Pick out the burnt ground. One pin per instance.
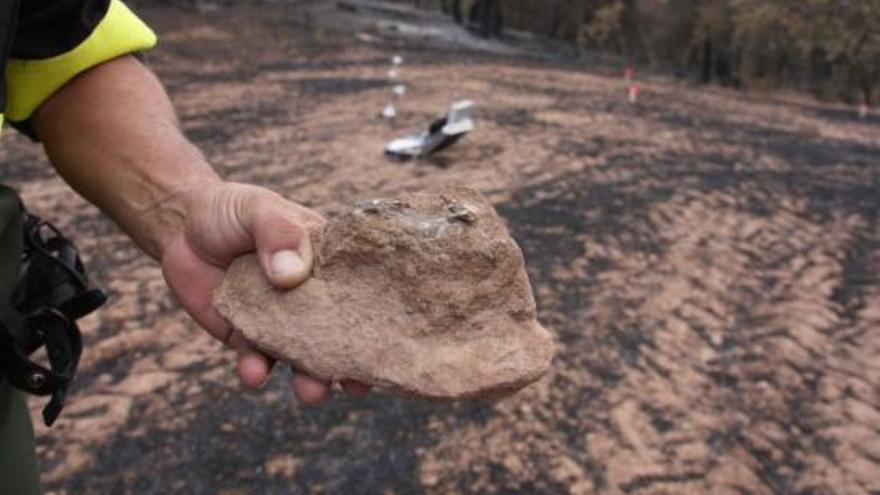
(708, 261)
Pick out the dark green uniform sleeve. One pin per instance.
(19, 470)
(19, 474)
(47, 28)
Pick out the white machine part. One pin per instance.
(441, 134)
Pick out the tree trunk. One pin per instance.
(632, 32)
(706, 63)
(486, 16)
(456, 11)
(868, 93)
(494, 17)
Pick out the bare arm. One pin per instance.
(113, 135)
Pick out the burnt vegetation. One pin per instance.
(828, 47)
(707, 260)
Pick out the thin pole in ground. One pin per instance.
(634, 91)
(398, 89)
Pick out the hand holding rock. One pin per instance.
(425, 295)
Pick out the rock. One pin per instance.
(425, 295)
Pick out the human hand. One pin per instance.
(221, 221)
(158, 187)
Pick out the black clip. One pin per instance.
(50, 328)
(52, 294)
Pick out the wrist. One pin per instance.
(164, 220)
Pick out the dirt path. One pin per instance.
(707, 259)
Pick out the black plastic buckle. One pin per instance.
(54, 293)
(61, 337)
(55, 276)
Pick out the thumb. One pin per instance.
(287, 268)
(282, 240)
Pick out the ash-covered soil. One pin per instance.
(708, 261)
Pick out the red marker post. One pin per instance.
(634, 92)
(864, 110)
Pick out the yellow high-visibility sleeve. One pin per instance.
(31, 82)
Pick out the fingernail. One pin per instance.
(287, 264)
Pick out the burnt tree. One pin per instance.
(486, 17)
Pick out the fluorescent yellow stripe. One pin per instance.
(31, 82)
(1, 124)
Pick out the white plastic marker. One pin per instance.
(398, 90)
(864, 110)
(396, 63)
(634, 91)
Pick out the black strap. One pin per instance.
(54, 275)
(51, 294)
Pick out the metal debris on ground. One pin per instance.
(441, 134)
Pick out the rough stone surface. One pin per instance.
(426, 294)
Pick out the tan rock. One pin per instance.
(425, 295)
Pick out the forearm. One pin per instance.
(113, 136)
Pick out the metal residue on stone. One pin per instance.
(426, 294)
